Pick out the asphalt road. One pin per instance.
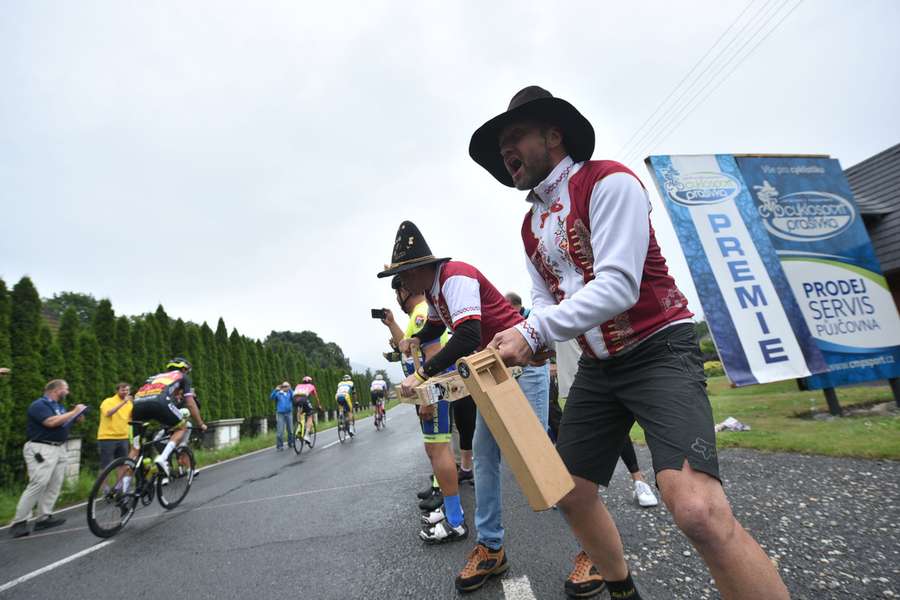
(341, 522)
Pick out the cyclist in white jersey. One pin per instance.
(378, 390)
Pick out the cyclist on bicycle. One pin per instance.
(302, 393)
(377, 391)
(344, 398)
(156, 400)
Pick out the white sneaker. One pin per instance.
(643, 495)
(444, 532)
(308, 440)
(434, 517)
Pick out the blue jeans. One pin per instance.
(282, 421)
(535, 383)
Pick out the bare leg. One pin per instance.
(740, 567)
(465, 459)
(595, 529)
(444, 467)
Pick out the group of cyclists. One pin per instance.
(344, 394)
(169, 399)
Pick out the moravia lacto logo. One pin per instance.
(692, 189)
(803, 216)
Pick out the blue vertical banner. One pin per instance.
(759, 330)
(812, 221)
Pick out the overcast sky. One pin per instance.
(253, 160)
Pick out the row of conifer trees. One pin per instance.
(233, 374)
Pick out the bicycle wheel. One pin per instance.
(108, 508)
(181, 469)
(312, 435)
(298, 435)
(342, 432)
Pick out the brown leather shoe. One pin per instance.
(584, 580)
(482, 564)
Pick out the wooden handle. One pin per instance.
(486, 367)
(414, 349)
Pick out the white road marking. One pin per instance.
(518, 588)
(86, 551)
(51, 566)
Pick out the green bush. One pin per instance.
(707, 346)
(713, 368)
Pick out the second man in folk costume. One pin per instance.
(461, 299)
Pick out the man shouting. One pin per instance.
(598, 275)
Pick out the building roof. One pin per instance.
(876, 187)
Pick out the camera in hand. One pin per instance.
(378, 313)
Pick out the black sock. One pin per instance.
(623, 590)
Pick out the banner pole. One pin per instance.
(831, 398)
(895, 388)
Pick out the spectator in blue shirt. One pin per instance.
(284, 404)
(45, 456)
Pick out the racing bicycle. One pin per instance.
(301, 432)
(110, 505)
(344, 424)
(379, 417)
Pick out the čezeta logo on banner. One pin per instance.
(803, 216)
(692, 189)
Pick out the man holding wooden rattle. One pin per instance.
(598, 275)
(461, 299)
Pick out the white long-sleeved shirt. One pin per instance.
(619, 235)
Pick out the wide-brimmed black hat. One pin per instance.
(532, 103)
(410, 251)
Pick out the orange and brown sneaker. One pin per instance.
(482, 564)
(584, 580)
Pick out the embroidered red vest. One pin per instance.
(660, 301)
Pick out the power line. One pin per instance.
(673, 126)
(759, 21)
(666, 117)
(683, 79)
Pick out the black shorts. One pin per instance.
(110, 450)
(304, 406)
(162, 410)
(661, 384)
(377, 396)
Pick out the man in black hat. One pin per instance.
(599, 276)
(461, 299)
(435, 419)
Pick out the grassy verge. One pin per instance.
(79, 490)
(776, 413)
(71, 494)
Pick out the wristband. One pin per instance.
(420, 377)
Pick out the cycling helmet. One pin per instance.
(178, 363)
(346, 378)
(379, 377)
(307, 379)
